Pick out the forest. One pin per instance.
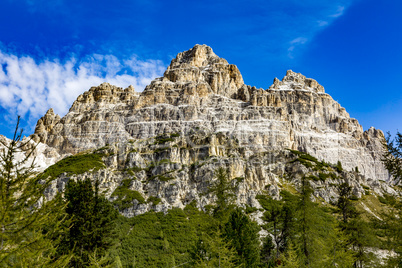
(81, 228)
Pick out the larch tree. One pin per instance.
(392, 160)
(30, 226)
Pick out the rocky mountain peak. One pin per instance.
(200, 116)
(205, 70)
(200, 91)
(198, 56)
(297, 81)
(45, 125)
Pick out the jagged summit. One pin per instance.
(297, 81)
(169, 139)
(198, 56)
(204, 70)
(202, 93)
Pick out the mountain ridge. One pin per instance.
(195, 86)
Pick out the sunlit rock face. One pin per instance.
(202, 93)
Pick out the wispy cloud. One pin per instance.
(294, 43)
(29, 87)
(322, 23)
(339, 12)
(312, 24)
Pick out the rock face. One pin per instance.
(200, 92)
(168, 140)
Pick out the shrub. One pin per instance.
(125, 196)
(154, 200)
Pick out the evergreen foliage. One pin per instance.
(242, 233)
(358, 233)
(212, 251)
(279, 217)
(125, 196)
(392, 159)
(159, 240)
(268, 252)
(92, 222)
(224, 192)
(27, 224)
(345, 205)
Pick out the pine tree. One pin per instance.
(339, 254)
(268, 252)
(392, 159)
(92, 222)
(242, 233)
(346, 208)
(28, 223)
(315, 230)
(212, 251)
(290, 259)
(224, 192)
(357, 231)
(279, 218)
(273, 219)
(360, 237)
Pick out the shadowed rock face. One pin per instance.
(200, 92)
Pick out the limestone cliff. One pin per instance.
(200, 92)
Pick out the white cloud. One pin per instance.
(294, 43)
(322, 23)
(339, 12)
(29, 87)
(309, 24)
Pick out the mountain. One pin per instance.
(166, 142)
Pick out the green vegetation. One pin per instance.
(161, 139)
(75, 164)
(242, 234)
(392, 226)
(28, 233)
(162, 178)
(387, 199)
(224, 192)
(133, 170)
(161, 240)
(86, 231)
(310, 161)
(154, 200)
(90, 223)
(125, 196)
(212, 251)
(174, 135)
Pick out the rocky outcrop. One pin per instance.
(178, 170)
(202, 93)
(29, 153)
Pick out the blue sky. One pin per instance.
(52, 51)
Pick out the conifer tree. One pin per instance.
(273, 218)
(242, 233)
(279, 218)
(315, 229)
(224, 192)
(28, 223)
(346, 208)
(268, 252)
(92, 222)
(357, 231)
(212, 251)
(392, 159)
(289, 259)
